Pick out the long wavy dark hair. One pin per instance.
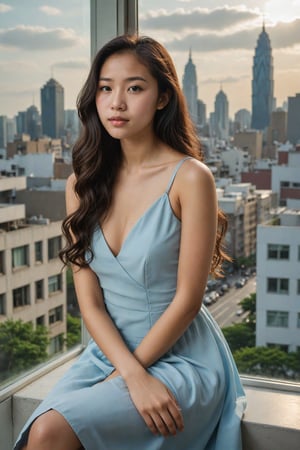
(97, 156)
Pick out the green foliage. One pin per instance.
(249, 303)
(266, 361)
(239, 335)
(73, 330)
(21, 346)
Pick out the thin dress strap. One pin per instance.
(175, 172)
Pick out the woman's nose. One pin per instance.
(118, 103)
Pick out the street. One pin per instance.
(225, 309)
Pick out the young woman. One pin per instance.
(143, 232)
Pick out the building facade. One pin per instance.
(221, 116)
(32, 285)
(278, 283)
(293, 120)
(52, 104)
(190, 88)
(262, 83)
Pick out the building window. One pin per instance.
(2, 304)
(283, 347)
(298, 287)
(40, 321)
(38, 251)
(277, 251)
(54, 284)
(55, 315)
(54, 246)
(20, 256)
(21, 296)
(2, 263)
(277, 319)
(56, 344)
(39, 290)
(278, 285)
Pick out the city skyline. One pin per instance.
(39, 41)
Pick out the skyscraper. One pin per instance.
(293, 120)
(221, 116)
(190, 88)
(52, 102)
(262, 83)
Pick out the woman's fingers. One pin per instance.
(165, 420)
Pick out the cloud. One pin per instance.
(226, 80)
(71, 64)
(38, 38)
(49, 10)
(197, 18)
(4, 8)
(283, 35)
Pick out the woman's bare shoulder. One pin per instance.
(193, 175)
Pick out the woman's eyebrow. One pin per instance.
(134, 78)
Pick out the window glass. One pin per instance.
(54, 283)
(276, 251)
(38, 249)
(54, 246)
(277, 319)
(21, 296)
(45, 57)
(20, 256)
(278, 285)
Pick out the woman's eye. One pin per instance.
(135, 89)
(104, 88)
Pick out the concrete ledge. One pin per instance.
(271, 421)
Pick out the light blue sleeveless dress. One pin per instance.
(138, 284)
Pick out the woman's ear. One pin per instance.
(163, 100)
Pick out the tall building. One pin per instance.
(33, 122)
(242, 119)
(3, 131)
(52, 102)
(293, 121)
(262, 83)
(221, 116)
(190, 88)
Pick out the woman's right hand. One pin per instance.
(156, 404)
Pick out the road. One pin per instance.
(224, 310)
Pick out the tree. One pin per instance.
(21, 346)
(268, 362)
(73, 330)
(239, 335)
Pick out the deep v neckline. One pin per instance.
(132, 229)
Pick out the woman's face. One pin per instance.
(127, 97)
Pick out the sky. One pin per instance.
(44, 38)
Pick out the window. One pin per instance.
(56, 344)
(2, 304)
(278, 285)
(298, 287)
(20, 256)
(277, 251)
(277, 319)
(38, 251)
(2, 262)
(39, 290)
(55, 315)
(298, 321)
(40, 320)
(284, 348)
(54, 284)
(21, 296)
(54, 246)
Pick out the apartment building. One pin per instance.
(32, 285)
(278, 283)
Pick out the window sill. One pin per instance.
(271, 421)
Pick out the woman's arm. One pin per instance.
(196, 193)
